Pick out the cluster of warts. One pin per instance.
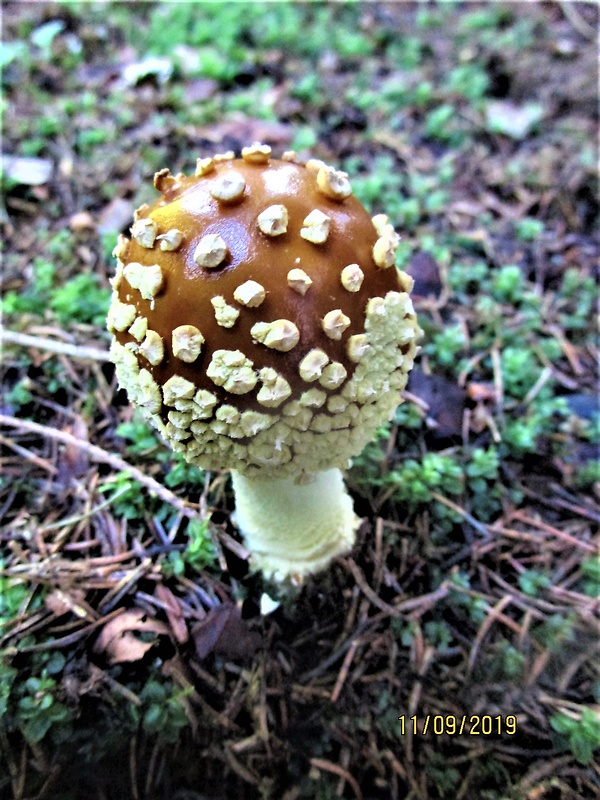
(232, 370)
(213, 434)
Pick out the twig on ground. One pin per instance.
(64, 641)
(546, 528)
(483, 530)
(52, 346)
(343, 673)
(29, 456)
(328, 766)
(189, 510)
(400, 609)
(580, 24)
(485, 626)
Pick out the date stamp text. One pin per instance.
(463, 725)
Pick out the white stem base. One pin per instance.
(294, 529)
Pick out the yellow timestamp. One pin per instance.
(465, 724)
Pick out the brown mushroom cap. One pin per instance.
(178, 305)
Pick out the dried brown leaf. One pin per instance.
(445, 401)
(115, 216)
(117, 638)
(174, 613)
(60, 602)
(481, 392)
(425, 272)
(224, 632)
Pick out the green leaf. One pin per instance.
(152, 718)
(56, 663)
(36, 729)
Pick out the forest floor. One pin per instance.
(455, 652)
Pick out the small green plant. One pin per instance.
(162, 713)
(529, 229)
(404, 631)
(438, 633)
(88, 139)
(39, 711)
(483, 467)
(461, 597)
(181, 474)
(257, 100)
(414, 481)
(307, 86)
(408, 213)
(483, 484)
(36, 708)
(468, 278)
(445, 776)
(13, 594)
(446, 345)
(587, 476)
(34, 299)
(520, 370)
(590, 569)
(20, 394)
(580, 733)
(30, 699)
(351, 44)
(381, 184)
(468, 80)
(48, 125)
(141, 438)
(442, 124)
(198, 553)
(129, 500)
(78, 299)
(576, 298)
(521, 434)
(304, 138)
(555, 631)
(81, 299)
(430, 17)
(490, 17)
(509, 662)
(405, 51)
(532, 582)
(508, 284)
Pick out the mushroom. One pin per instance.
(260, 324)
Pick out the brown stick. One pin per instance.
(189, 510)
(400, 609)
(52, 346)
(329, 766)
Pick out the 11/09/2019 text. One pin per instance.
(465, 724)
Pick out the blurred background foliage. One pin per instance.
(474, 127)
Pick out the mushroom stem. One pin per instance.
(294, 529)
